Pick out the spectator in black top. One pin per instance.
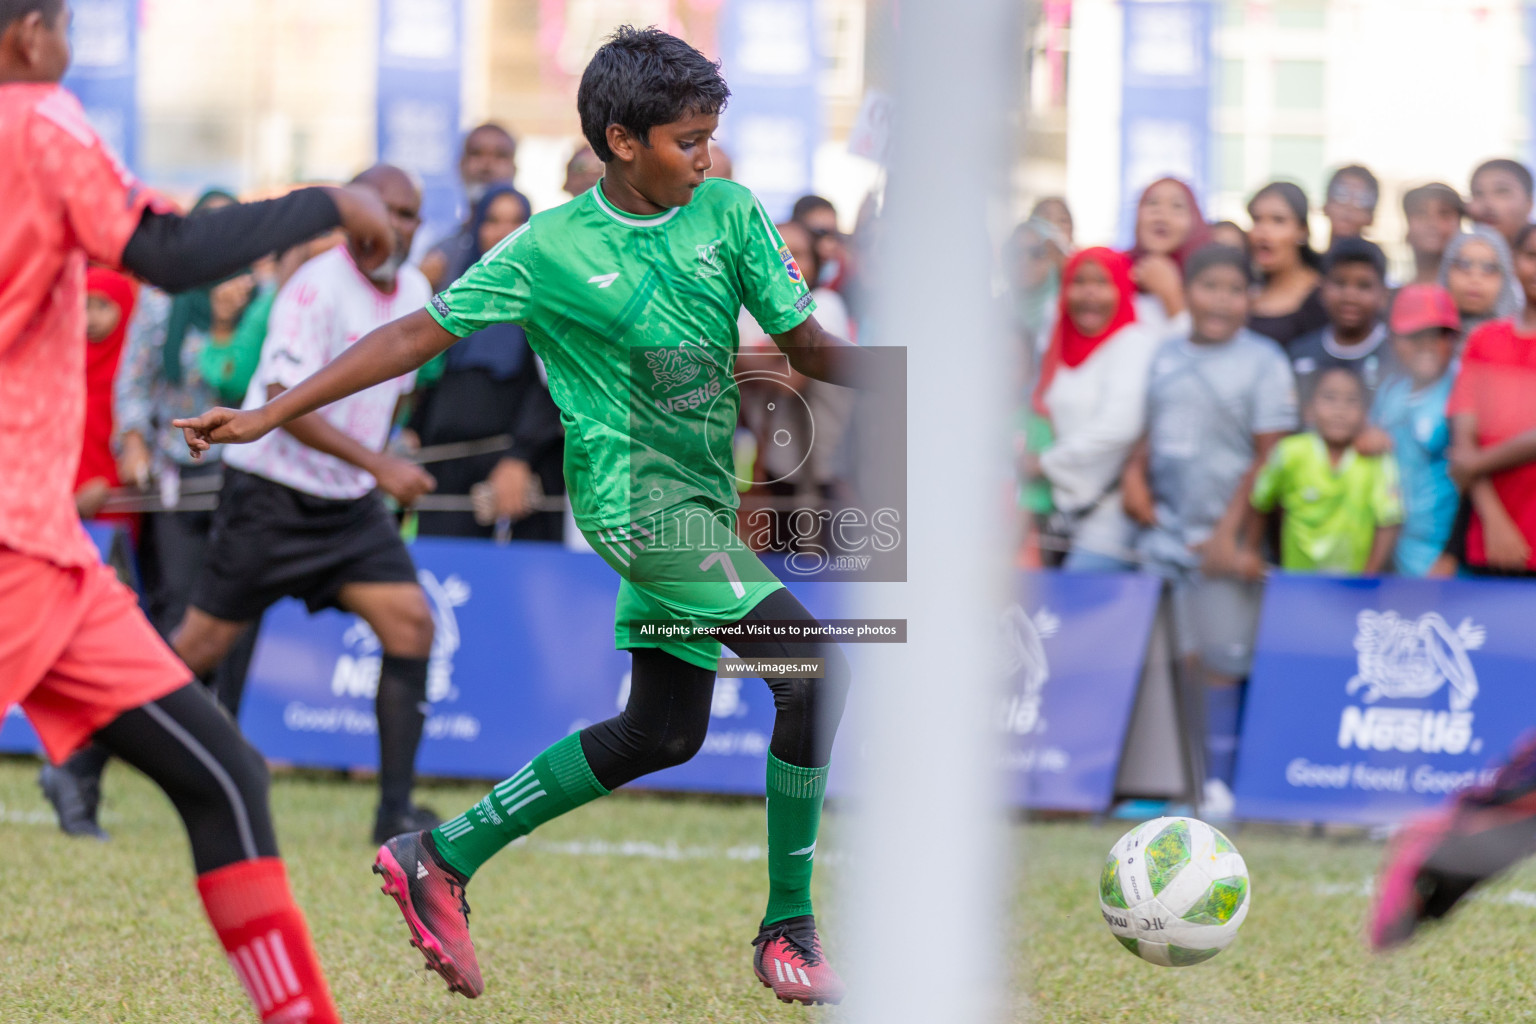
(1350, 205)
(1354, 293)
(1434, 214)
(492, 385)
(489, 158)
(1501, 197)
(1288, 303)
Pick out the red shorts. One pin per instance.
(75, 651)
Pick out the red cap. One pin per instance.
(1421, 307)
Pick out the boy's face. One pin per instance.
(1353, 296)
(1338, 407)
(1474, 278)
(1218, 303)
(1351, 206)
(1425, 354)
(675, 162)
(1499, 200)
(1431, 226)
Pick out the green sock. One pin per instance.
(794, 815)
(556, 781)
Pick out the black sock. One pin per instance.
(401, 709)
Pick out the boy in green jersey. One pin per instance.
(630, 293)
(1342, 511)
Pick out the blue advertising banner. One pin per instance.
(1373, 699)
(421, 45)
(1165, 123)
(1074, 644)
(523, 655)
(772, 126)
(104, 38)
(16, 735)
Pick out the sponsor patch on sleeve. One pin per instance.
(439, 304)
(804, 301)
(790, 266)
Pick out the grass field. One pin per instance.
(641, 909)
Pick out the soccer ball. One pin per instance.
(1174, 891)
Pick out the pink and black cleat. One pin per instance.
(788, 959)
(432, 900)
(1436, 860)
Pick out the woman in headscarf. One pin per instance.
(1032, 259)
(109, 301)
(1169, 228)
(1289, 302)
(492, 384)
(174, 344)
(1480, 275)
(1092, 388)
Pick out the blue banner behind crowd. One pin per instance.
(1371, 699)
(771, 128)
(1165, 124)
(421, 46)
(103, 72)
(1074, 647)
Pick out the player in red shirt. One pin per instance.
(75, 652)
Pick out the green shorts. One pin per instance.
(683, 569)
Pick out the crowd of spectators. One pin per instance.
(1221, 402)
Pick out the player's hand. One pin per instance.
(366, 221)
(221, 426)
(404, 481)
(135, 462)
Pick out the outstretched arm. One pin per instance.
(815, 352)
(398, 347)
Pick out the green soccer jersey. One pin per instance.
(1332, 512)
(635, 319)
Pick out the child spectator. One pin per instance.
(1493, 433)
(1288, 303)
(1355, 296)
(1501, 197)
(1411, 409)
(1218, 401)
(1434, 214)
(1169, 229)
(1342, 510)
(1480, 275)
(1351, 204)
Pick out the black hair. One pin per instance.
(1296, 199)
(1520, 172)
(1361, 172)
(1521, 237)
(1348, 371)
(1046, 201)
(809, 204)
(1217, 255)
(1416, 199)
(641, 78)
(1356, 250)
(15, 10)
(490, 126)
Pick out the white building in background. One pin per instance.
(1417, 90)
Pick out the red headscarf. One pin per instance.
(1199, 230)
(1070, 346)
(101, 358)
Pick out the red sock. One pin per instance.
(267, 942)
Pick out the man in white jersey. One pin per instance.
(300, 513)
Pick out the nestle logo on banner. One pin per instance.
(1411, 659)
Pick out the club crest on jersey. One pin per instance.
(709, 260)
(790, 266)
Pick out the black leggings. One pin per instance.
(667, 715)
(189, 747)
